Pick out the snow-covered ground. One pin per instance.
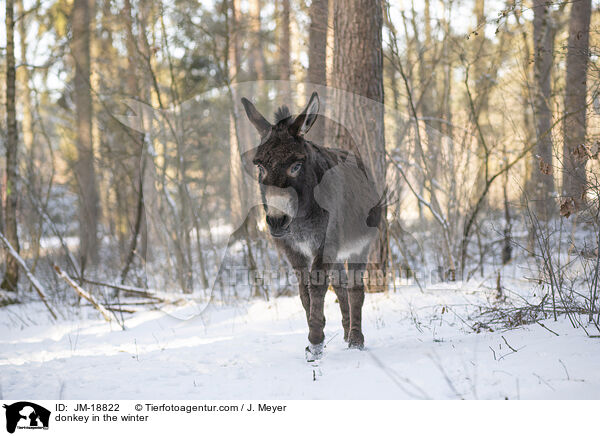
(418, 345)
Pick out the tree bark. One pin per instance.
(27, 123)
(11, 275)
(481, 94)
(428, 83)
(138, 143)
(84, 167)
(284, 44)
(257, 57)
(236, 189)
(358, 70)
(574, 155)
(317, 42)
(317, 56)
(543, 45)
(284, 51)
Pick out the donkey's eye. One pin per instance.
(295, 169)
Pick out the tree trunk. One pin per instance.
(358, 70)
(236, 189)
(317, 57)
(257, 57)
(27, 123)
(11, 275)
(542, 180)
(138, 143)
(284, 44)
(574, 155)
(84, 167)
(481, 95)
(34, 222)
(427, 81)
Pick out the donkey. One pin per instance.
(322, 210)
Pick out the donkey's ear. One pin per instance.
(307, 118)
(261, 124)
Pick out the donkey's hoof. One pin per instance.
(356, 340)
(356, 345)
(314, 352)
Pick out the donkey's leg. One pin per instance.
(356, 298)
(316, 320)
(303, 287)
(339, 282)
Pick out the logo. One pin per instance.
(26, 415)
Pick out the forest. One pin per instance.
(128, 190)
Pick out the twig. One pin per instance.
(551, 331)
(105, 313)
(543, 381)
(36, 284)
(331, 339)
(507, 344)
(565, 368)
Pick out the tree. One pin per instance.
(317, 56)
(236, 188)
(358, 70)
(257, 57)
(427, 81)
(84, 167)
(284, 44)
(481, 91)
(574, 154)
(317, 42)
(11, 275)
(284, 48)
(542, 182)
(138, 140)
(27, 124)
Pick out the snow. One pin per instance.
(418, 345)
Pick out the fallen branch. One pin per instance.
(105, 313)
(127, 289)
(117, 309)
(36, 284)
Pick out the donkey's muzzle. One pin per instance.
(278, 224)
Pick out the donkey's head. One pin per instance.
(286, 172)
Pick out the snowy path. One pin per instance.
(256, 352)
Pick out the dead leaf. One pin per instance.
(567, 207)
(580, 152)
(545, 167)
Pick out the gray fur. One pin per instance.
(335, 221)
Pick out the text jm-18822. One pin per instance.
(96, 407)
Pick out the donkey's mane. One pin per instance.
(283, 115)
